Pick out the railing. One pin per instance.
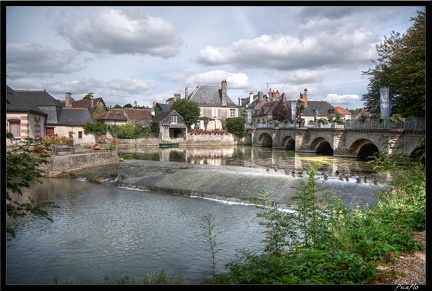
(416, 124)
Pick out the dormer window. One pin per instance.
(174, 119)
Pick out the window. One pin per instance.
(232, 113)
(79, 134)
(15, 128)
(174, 119)
(214, 112)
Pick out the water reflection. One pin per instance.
(247, 156)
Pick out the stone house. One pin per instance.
(258, 108)
(172, 125)
(36, 114)
(214, 103)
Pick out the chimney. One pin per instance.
(283, 98)
(250, 97)
(68, 100)
(224, 92)
(304, 96)
(135, 104)
(176, 96)
(186, 92)
(260, 95)
(91, 103)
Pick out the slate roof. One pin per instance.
(164, 107)
(42, 102)
(163, 118)
(18, 104)
(76, 117)
(325, 109)
(209, 96)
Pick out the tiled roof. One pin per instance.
(136, 114)
(209, 96)
(342, 110)
(87, 103)
(112, 114)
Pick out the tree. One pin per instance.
(401, 66)
(96, 128)
(281, 112)
(89, 95)
(23, 165)
(236, 125)
(189, 110)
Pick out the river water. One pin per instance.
(101, 229)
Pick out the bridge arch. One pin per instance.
(288, 143)
(265, 140)
(248, 139)
(322, 146)
(363, 149)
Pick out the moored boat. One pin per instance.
(169, 145)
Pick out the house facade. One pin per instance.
(214, 103)
(36, 114)
(171, 124)
(258, 109)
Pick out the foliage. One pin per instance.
(56, 140)
(24, 165)
(111, 145)
(89, 95)
(397, 118)
(128, 130)
(155, 128)
(401, 66)
(323, 121)
(300, 105)
(323, 242)
(113, 129)
(189, 110)
(236, 126)
(208, 227)
(96, 128)
(161, 278)
(281, 112)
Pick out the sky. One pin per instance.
(146, 54)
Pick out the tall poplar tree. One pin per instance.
(401, 67)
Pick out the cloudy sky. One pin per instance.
(147, 53)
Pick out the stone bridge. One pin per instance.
(339, 142)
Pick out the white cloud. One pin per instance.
(118, 32)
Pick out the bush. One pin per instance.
(236, 126)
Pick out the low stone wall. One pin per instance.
(191, 139)
(61, 164)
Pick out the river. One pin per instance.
(117, 230)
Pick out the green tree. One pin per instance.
(24, 164)
(401, 66)
(155, 128)
(89, 95)
(236, 126)
(189, 110)
(96, 128)
(281, 112)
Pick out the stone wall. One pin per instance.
(62, 164)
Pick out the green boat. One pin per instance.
(169, 145)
